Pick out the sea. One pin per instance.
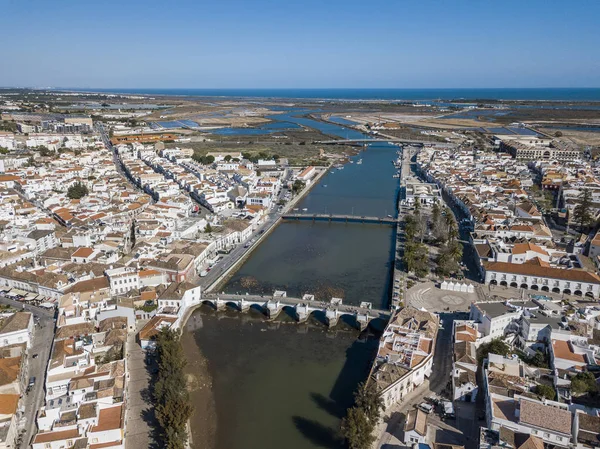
(456, 94)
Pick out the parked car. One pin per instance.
(424, 406)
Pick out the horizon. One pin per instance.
(239, 45)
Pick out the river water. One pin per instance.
(284, 384)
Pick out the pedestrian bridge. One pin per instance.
(342, 218)
(302, 308)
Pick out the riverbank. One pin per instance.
(271, 382)
(227, 274)
(199, 381)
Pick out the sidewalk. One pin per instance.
(139, 411)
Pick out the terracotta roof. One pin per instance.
(545, 272)
(109, 419)
(46, 437)
(545, 416)
(522, 248)
(9, 369)
(83, 252)
(91, 285)
(562, 350)
(16, 322)
(417, 421)
(8, 404)
(151, 328)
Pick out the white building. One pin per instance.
(16, 329)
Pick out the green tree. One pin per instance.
(545, 391)
(582, 214)
(172, 402)
(77, 191)
(4, 150)
(298, 185)
(357, 429)
(496, 346)
(208, 229)
(227, 158)
(584, 382)
(370, 401)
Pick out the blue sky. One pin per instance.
(309, 43)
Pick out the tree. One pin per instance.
(227, 158)
(77, 191)
(370, 401)
(545, 391)
(582, 214)
(298, 185)
(584, 383)
(208, 229)
(496, 346)
(4, 150)
(558, 134)
(173, 407)
(357, 429)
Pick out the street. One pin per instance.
(43, 336)
(459, 430)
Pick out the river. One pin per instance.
(284, 384)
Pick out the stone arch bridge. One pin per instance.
(302, 308)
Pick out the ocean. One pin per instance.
(540, 94)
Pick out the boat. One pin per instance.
(324, 185)
(397, 175)
(305, 209)
(358, 162)
(341, 167)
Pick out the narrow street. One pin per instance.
(391, 431)
(43, 336)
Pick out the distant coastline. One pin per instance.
(591, 94)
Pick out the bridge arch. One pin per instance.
(545, 288)
(320, 316)
(259, 308)
(233, 305)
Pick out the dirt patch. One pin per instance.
(204, 420)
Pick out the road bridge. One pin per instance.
(302, 308)
(338, 217)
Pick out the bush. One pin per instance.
(545, 391)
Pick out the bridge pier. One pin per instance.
(302, 313)
(332, 317)
(273, 309)
(362, 320)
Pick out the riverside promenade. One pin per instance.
(238, 255)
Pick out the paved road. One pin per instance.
(43, 336)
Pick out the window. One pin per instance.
(546, 435)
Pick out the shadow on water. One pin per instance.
(317, 433)
(329, 405)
